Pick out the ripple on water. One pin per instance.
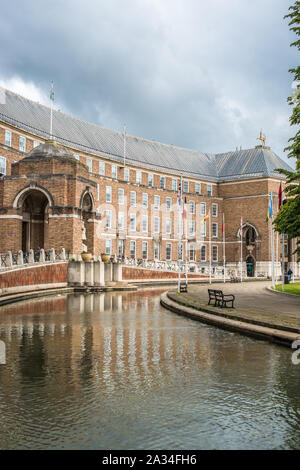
(118, 371)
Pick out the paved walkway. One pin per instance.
(253, 302)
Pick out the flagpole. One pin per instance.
(180, 229)
(293, 258)
(51, 110)
(209, 219)
(124, 145)
(186, 245)
(282, 262)
(241, 249)
(224, 259)
(277, 255)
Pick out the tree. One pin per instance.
(288, 218)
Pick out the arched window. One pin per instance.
(250, 236)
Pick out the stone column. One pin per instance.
(117, 272)
(63, 254)
(107, 272)
(42, 256)
(76, 273)
(99, 273)
(89, 273)
(31, 256)
(10, 260)
(52, 255)
(20, 257)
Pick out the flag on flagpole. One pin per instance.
(271, 206)
(280, 196)
(52, 92)
(270, 209)
(179, 195)
(204, 218)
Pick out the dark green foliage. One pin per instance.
(288, 218)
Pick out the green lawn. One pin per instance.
(289, 288)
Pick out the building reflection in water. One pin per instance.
(91, 356)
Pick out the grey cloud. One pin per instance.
(204, 75)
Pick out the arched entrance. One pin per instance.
(34, 204)
(87, 207)
(250, 266)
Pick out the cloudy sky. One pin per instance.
(207, 75)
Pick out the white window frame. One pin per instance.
(36, 143)
(169, 246)
(156, 224)
(192, 249)
(162, 182)
(89, 162)
(150, 180)
(121, 220)
(174, 184)
(22, 147)
(203, 208)
(108, 218)
(98, 191)
(102, 168)
(108, 194)
(132, 222)
(108, 246)
(168, 203)
(192, 227)
(138, 177)
(214, 206)
(168, 226)
(186, 186)
(209, 190)
(114, 172)
(156, 249)
(145, 223)
(145, 200)
(215, 258)
(8, 138)
(156, 198)
(145, 244)
(133, 198)
(127, 174)
(132, 244)
(121, 196)
(192, 207)
(3, 165)
(198, 185)
(214, 225)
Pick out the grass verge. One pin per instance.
(289, 288)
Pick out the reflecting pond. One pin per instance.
(118, 371)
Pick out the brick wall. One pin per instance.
(131, 273)
(46, 274)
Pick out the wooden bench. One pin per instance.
(183, 287)
(220, 299)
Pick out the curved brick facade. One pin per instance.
(117, 217)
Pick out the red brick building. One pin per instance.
(77, 191)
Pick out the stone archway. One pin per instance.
(34, 205)
(250, 263)
(87, 207)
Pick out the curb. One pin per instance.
(281, 293)
(274, 335)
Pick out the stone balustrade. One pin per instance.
(24, 258)
(93, 273)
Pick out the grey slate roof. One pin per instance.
(108, 143)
